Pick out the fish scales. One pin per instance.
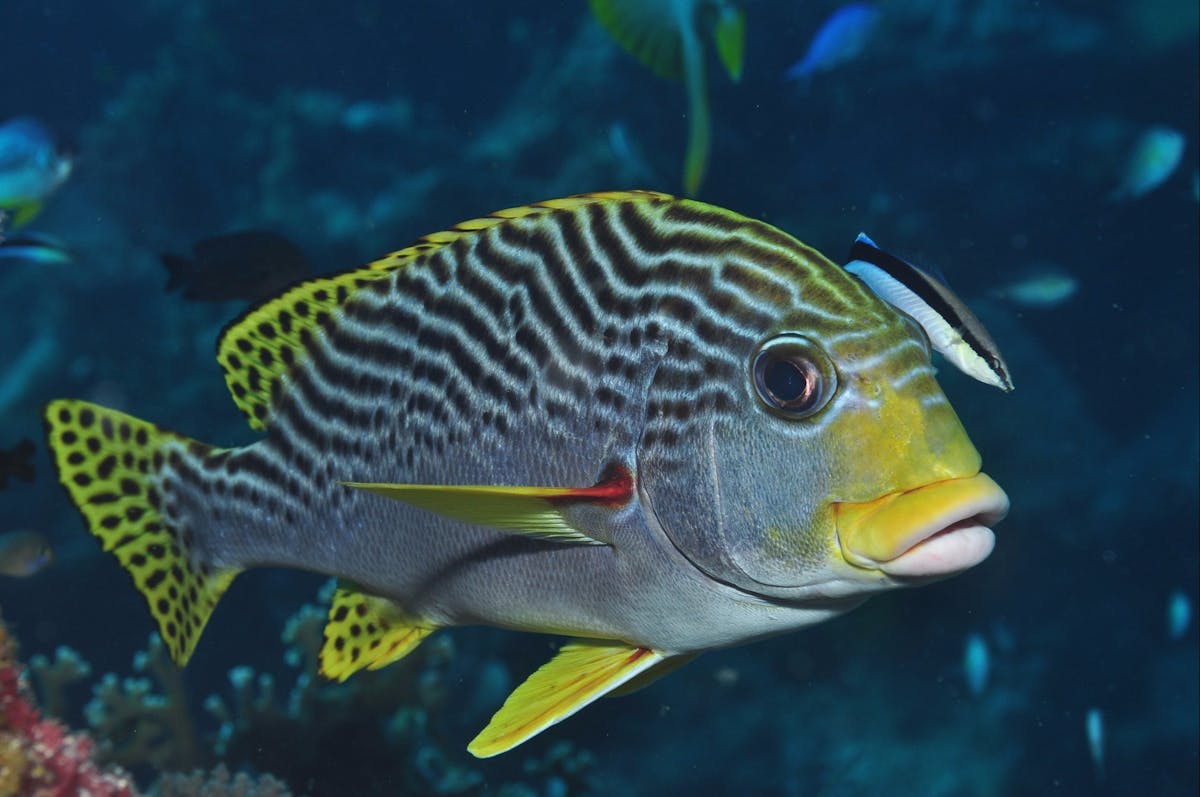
(619, 417)
(424, 332)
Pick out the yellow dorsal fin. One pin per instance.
(583, 671)
(650, 32)
(366, 631)
(260, 348)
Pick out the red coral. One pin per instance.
(48, 759)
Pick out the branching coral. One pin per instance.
(140, 725)
(379, 731)
(219, 783)
(53, 678)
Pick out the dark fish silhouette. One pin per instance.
(240, 265)
(17, 463)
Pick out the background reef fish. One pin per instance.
(32, 167)
(24, 553)
(1044, 285)
(1155, 156)
(32, 247)
(842, 37)
(17, 463)
(665, 36)
(652, 425)
(250, 264)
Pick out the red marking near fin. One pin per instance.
(614, 488)
(638, 654)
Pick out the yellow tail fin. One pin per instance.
(115, 468)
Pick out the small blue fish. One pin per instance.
(1179, 615)
(1043, 285)
(1155, 156)
(976, 663)
(31, 168)
(842, 37)
(31, 247)
(1093, 728)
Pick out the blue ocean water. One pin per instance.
(986, 139)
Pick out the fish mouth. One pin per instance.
(935, 530)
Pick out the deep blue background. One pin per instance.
(980, 137)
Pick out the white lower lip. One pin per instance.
(947, 552)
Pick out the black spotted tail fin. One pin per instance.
(122, 474)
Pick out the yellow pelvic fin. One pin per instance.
(366, 631)
(259, 349)
(582, 672)
(532, 511)
(110, 464)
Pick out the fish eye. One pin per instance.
(793, 377)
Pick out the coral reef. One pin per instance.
(384, 728)
(41, 757)
(143, 726)
(219, 783)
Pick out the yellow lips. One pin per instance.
(893, 533)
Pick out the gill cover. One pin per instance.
(754, 506)
(743, 509)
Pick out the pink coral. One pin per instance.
(40, 757)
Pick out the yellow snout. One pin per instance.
(934, 530)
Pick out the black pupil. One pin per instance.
(785, 380)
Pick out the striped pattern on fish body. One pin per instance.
(466, 365)
(584, 411)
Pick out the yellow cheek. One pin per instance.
(889, 441)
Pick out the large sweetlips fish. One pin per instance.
(649, 424)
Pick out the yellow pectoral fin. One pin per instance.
(533, 511)
(366, 631)
(583, 671)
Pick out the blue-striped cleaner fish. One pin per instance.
(667, 37)
(953, 330)
(648, 424)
